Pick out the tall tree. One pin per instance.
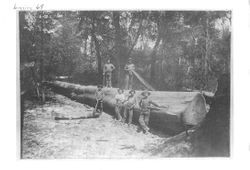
(96, 25)
(118, 43)
(97, 45)
(37, 26)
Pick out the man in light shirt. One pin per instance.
(99, 95)
(129, 105)
(129, 67)
(107, 73)
(145, 104)
(119, 97)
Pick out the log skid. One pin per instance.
(187, 108)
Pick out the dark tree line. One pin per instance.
(172, 50)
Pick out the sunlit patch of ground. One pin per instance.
(103, 137)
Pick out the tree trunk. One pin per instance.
(97, 49)
(118, 45)
(91, 47)
(184, 107)
(153, 59)
(42, 79)
(41, 69)
(85, 47)
(213, 136)
(42, 53)
(136, 38)
(206, 48)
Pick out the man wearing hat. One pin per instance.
(129, 67)
(129, 105)
(145, 104)
(107, 73)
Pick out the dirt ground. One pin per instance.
(103, 137)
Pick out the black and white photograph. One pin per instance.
(124, 84)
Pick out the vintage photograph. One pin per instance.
(124, 84)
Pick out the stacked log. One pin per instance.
(184, 108)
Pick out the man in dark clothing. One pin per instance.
(145, 104)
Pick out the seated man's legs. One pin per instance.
(99, 106)
(125, 112)
(130, 116)
(146, 118)
(142, 123)
(118, 112)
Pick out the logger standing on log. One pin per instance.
(119, 103)
(129, 105)
(129, 74)
(107, 73)
(99, 95)
(145, 105)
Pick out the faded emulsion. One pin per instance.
(124, 84)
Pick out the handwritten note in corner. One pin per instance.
(33, 7)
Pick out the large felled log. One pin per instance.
(184, 107)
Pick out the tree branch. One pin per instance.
(131, 24)
(136, 38)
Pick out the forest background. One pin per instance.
(172, 50)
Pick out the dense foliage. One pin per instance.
(173, 50)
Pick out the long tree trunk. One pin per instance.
(205, 59)
(153, 59)
(85, 46)
(185, 108)
(42, 79)
(97, 49)
(118, 45)
(91, 46)
(206, 47)
(42, 52)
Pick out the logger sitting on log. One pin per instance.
(129, 105)
(107, 73)
(99, 95)
(119, 103)
(145, 105)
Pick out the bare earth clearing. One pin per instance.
(103, 137)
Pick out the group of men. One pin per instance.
(125, 104)
(108, 69)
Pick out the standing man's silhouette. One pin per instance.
(129, 67)
(107, 73)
